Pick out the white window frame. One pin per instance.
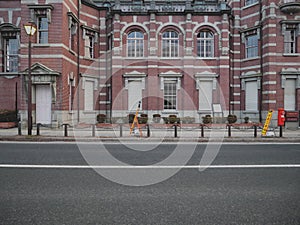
(251, 46)
(42, 30)
(250, 2)
(38, 11)
(11, 60)
(290, 41)
(135, 44)
(89, 43)
(170, 45)
(170, 94)
(170, 77)
(73, 26)
(205, 42)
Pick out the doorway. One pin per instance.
(43, 104)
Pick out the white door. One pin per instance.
(134, 94)
(205, 95)
(89, 95)
(290, 94)
(43, 104)
(251, 96)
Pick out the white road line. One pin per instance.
(145, 142)
(149, 167)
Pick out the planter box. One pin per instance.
(6, 125)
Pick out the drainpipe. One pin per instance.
(78, 61)
(261, 61)
(231, 72)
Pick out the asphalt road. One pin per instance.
(254, 184)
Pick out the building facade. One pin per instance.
(186, 58)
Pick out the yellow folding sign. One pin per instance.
(267, 123)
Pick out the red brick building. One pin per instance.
(186, 58)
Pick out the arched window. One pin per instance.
(135, 44)
(170, 44)
(205, 44)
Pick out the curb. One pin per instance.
(143, 139)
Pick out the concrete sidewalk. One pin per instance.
(163, 133)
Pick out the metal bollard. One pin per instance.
(121, 130)
(148, 130)
(38, 126)
(202, 131)
(255, 131)
(280, 131)
(65, 129)
(175, 130)
(229, 130)
(19, 128)
(93, 130)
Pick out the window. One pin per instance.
(89, 46)
(170, 44)
(11, 48)
(205, 44)
(42, 30)
(290, 41)
(135, 44)
(41, 15)
(9, 45)
(73, 26)
(170, 94)
(251, 46)
(250, 2)
(72, 34)
(90, 37)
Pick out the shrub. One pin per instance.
(188, 119)
(8, 116)
(101, 118)
(131, 117)
(173, 119)
(207, 119)
(231, 118)
(156, 118)
(143, 119)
